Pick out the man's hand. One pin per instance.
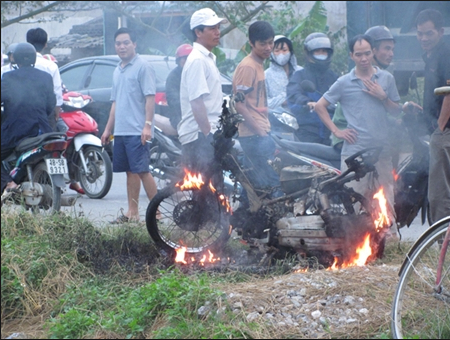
(146, 135)
(375, 90)
(350, 135)
(106, 137)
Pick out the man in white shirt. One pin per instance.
(201, 93)
(38, 38)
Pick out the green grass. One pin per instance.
(90, 282)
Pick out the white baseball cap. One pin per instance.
(206, 17)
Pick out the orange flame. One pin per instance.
(395, 175)
(383, 219)
(181, 252)
(210, 258)
(191, 181)
(362, 254)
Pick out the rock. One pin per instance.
(203, 311)
(349, 300)
(316, 314)
(252, 316)
(363, 311)
(238, 305)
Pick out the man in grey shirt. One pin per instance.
(131, 115)
(366, 94)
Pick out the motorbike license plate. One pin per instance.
(56, 166)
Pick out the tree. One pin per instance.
(17, 11)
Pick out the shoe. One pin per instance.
(120, 220)
(79, 190)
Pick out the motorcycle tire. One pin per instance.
(51, 202)
(177, 218)
(97, 181)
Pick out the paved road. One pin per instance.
(108, 208)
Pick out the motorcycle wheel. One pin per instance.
(98, 179)
(51, 202)
(177, 218)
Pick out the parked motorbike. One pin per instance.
(38, 167)
(88, 162)
(319, 215)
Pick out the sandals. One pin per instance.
(79, 190)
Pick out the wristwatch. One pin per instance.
(148, 122)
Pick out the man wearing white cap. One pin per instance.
(200, 93)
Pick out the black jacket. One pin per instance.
(28, 99)
(173, 95)
(297, 98)
(437, 74)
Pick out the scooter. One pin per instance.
(88, 162)
(38, 167)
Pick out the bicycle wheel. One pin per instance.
(176, 219)
(418, 310)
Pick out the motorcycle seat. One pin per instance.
(311, 149)
(29, 143)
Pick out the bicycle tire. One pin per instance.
(174, 219)
(418, 312)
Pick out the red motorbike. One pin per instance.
(88, 162)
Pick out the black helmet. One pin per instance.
(378, 33)
(11, 48)
(315, 41)
(24, 54)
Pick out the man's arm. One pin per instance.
(250, 121)
(149, 113)
(444, 116)
(109, 125)
(321, 108)
(201, 115)
(375, 90)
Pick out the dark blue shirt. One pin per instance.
(28, 99)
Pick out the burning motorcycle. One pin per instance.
(88, 162)
(38, 167)
(319, 215)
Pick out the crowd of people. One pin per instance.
(351, 112)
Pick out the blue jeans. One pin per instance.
(258, 151)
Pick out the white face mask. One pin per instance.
(320, 56)
(282, 59)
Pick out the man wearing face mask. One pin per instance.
(319, 51)
(283, 64)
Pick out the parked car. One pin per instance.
(93, 76)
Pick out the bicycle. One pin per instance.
(421, 306)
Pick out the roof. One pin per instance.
(75, 41)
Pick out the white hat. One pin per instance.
(206, 17)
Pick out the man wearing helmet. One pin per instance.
(283, 64)
(9, 52)
(28, 99)
(173, 84)
(319, 51)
